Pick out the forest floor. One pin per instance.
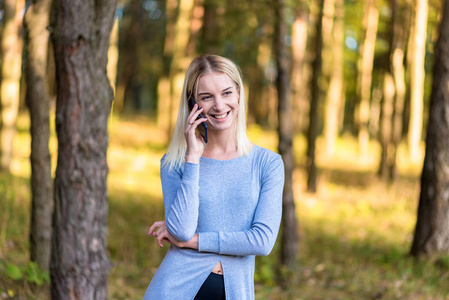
(355, 232)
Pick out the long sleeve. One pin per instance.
(260, 238)
(180, 192)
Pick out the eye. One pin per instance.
(205, 97)
(227, 93)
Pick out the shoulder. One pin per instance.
(266, 155)
(167, 168)
(267, 159)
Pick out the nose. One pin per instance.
(219, 103)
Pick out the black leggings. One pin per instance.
(212, 288)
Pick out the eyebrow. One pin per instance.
(209, 93)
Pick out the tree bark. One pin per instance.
(431, 236)
(417, 75)
(38, 100)
(11, 52)
(79, 262)
(289, 237)
(315, 97)
(365, 69)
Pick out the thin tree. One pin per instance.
(79, 262)
(365, 70)
(397, 67)
(432, 231)
(38, 100)
(315, 96)
(298, 78)
(283, 61)
(163, 88)
(11, 54)
(127, 79)
(178, 65)
(417, 75)
(335, 92)
(386, 124)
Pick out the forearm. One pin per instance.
(259, 240)
(180, 191)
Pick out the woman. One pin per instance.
(223, 199)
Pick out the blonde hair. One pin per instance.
(199, 67)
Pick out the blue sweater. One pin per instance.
(235, 206)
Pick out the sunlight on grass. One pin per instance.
(355, 232)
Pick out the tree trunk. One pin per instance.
(129, 59)
(397, 69)
(79, 262)
(417, 74)
(196, 24)
(327, 36)
(334, 94)
(11, 53)
(315, 97)
(179, 62)
(432, 231)
(289, 238)
(386, 118)
(163, 87)
(39, 101)
(299, 45)
(365, 70)
(209, 41)
(408, 20)
(262, 107)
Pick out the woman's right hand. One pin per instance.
(195, 143)
(160, 232)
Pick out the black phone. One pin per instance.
(204, 131)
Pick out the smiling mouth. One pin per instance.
(222, 116)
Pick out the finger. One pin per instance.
(155, 225)
(159, 241)
(195, 124)
(165, 240)
(192, 118)
(194, 109)
(159, 231)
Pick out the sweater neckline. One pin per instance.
(226, 161)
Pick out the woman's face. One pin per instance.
(219, 97)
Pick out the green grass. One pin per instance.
(355, 232)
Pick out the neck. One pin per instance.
(221, 145)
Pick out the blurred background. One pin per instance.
(360, 71)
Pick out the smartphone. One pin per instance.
(204, 130)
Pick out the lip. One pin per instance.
(221, 120)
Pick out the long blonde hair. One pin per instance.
(199, 67)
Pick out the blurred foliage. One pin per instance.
(237, 30)
(355, 233)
